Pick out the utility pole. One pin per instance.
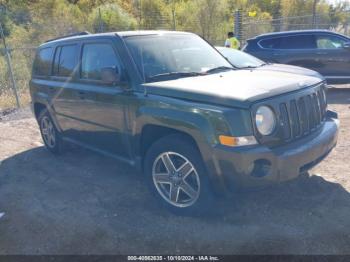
(314, 14)
(238, 24)
(140, 21)
(174, 20)
(174, 14)
(100, 24)
(9, 64)
(277, 17)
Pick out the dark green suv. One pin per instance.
(169, 104)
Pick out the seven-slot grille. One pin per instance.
(301, 115)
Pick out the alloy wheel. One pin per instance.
(48, 132)
(176, 179)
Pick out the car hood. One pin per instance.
(232, 88)
(289, 69)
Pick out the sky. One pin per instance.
(335, 1)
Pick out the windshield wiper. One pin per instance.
(248, 67)
(176, 74)
(219, 68)
(252, 67)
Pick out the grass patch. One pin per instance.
(8, 100)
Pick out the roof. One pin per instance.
(110, 34)
(310, 31)
(149, 32)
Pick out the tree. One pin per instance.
(111, 17)
(153, 14)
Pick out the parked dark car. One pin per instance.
(169, 104)
(243, 60)
(323, 51)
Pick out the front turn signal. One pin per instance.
(227, 140)
(237, 141)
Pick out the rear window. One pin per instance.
(290, 42)
(42, 62)
(66, 60)
(298, 42)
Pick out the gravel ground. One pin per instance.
(84, 203)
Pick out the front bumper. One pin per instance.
(259, 165)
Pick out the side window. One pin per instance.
(96, 57)
(42, 62)
(298, 42)
(329, 42)
(272, 43)
(65, 60)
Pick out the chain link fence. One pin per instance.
(21, 60)
(254, 26)
(22, 55)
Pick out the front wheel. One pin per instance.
(177, 176)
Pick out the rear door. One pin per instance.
(299, 50)
(65, 67)
(334, 60)
(264, 48)
(40, 83)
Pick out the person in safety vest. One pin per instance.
(232, 41)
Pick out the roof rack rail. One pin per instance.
(71, 35)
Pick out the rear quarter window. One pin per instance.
(272, 43)
(42, 62)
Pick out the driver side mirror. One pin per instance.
(110, 75)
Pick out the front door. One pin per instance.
(298, 50)
(334, 60)
(102, 107)
(90, 111)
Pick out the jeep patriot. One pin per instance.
(171, 105)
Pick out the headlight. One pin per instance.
(265, 120)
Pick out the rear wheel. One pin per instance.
(176, 175)
(50, 134)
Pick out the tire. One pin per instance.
(177, 177)
(49, 133)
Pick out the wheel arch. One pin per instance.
(151, 133)
(38, 109)
(151, 125)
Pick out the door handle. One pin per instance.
(81, 95)
(321, 53)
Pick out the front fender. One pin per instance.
(191, 123)
(195, 121)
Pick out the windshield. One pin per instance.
(240, 59)
(177, 55)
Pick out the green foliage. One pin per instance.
(153, 14)
(6, 23)
(33, 21)
(27, 23)
(110, 17)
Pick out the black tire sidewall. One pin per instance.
(182, 146)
